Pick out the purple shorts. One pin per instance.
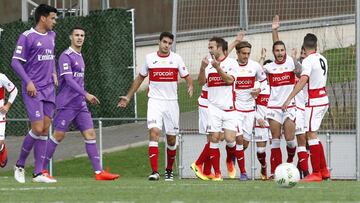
(81, 118)
(41, 105)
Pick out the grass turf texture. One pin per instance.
(76, 184)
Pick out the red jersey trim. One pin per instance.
(257, 126)
(163, 74)
(185, 76)
(204, 94)
(245, 111)
(281, 79)
(317, 105)
(300, 108)
(161, 55)
(317, 93)
(281, 62)
(12, 89)
(203, 106)
(279, 107)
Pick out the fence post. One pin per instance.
(174, 23)
(100, 142)
(357, 13)
(50, 167)
(328, 150)
(181, 167)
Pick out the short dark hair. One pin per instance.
(166, 34)
(242, 44)
(310, 41)
(220, 42)
(267, 61)
(278, 43)
(76, 28)
(43, 10)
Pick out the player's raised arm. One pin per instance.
(202, 75)
(124, 100)
(275, 26)
(239, 37)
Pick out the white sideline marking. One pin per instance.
(28, 188)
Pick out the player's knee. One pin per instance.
(58, 136)
(171, 140)
(37, 130)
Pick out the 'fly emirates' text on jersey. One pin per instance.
(163, 74)
(244, 84)
(220, 94)
(315, 67)
(281, 79)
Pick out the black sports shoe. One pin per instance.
(169, 176)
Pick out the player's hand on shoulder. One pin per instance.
(92, 99)
(123, 102)
(31, 89)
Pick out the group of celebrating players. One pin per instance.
(286, 96)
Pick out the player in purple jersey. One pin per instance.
(71, 104)
(34, 62)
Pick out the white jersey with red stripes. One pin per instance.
(5, 83)
(220, 94)
(281, 79)
(244, 84)
(315, 67)
(262, 102)
(163, 74)
(203, 98)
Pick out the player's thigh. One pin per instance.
(83, 120)
(63, 118)
(275, 128)
(154, 114)
(203, 120)
(34, 108)
(300, 122)
(171, 117)
(215, 119)
(2, 130)
(289, 129)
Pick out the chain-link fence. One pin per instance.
(107, 51)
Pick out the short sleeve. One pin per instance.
(306, 67)
(22, 48)
(144, 70)
(182, 68)
(7, 84)
(64, 65)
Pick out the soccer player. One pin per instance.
(249, 72)
(281, 77)
(163, 68)
(34, 62)
(219, 75)
(262, 128)
(5, 84)
(71, 105)
(314, 76)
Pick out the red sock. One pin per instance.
(171, 155)
(230, 152)
(262, 158)
(215, 159)
(153, 156)
(276, 159)
(204, 155)
(207, 167)
(240, 157)
(303, 161)
(322, 157)
(290, 153)
(315, 151)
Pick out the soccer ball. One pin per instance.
(287, 175)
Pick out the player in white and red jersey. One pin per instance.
(163, 68)
(219, 75)
(249, 71)
(5, 84)
(314, 76)
(281, 77)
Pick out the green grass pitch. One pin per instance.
(76, 184)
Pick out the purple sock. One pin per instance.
(26, 147)
(93, 154)
(39, 153)
(51, 145)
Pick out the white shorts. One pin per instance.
(313, 117)
(280, 116)
(219, 119)
(166, 111)
(2, 130)
(247, 120)
(300, 122)
(203, 120)
(262, 134)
